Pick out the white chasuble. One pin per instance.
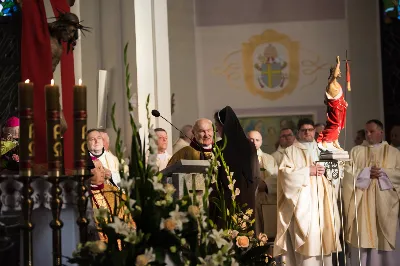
(266, 210)
(377, 199)
(307, 205)
(110, 162)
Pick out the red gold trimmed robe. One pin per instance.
(107, 196)
(335, 117)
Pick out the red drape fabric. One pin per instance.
(36, 66)
(67, 82)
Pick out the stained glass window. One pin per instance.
(8, 7)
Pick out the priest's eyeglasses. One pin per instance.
(304, 130)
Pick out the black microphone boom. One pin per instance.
(156, 113)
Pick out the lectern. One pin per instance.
(180, 174)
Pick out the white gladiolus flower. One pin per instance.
(133, 101)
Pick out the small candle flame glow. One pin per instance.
(27, 81)
(52, 82)
(80, 82)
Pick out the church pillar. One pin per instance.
(152, 62)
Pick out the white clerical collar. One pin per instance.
(259, 152)
(208, 147)
(162, 156)
(365, 143)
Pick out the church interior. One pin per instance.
(76, 71)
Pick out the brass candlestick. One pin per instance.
(54, 156)
(26, 154)
(56, 224)
(80, 156)
(27, 226)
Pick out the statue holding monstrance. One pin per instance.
(328, 139)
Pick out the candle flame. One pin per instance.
(52, 82)
(80, 82)
(27, 81)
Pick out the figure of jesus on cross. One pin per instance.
(328, 139)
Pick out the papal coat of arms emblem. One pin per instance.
(271, 64)
(271, 68)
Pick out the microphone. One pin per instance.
(156, 113)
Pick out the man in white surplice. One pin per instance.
(375, 168)
(286, 139)
(307, 209)
(163, 156)
(95, 145)
(266, 190)
(109, 160)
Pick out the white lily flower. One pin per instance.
(157, 185)
(131, 237)
(96, 247)
(218, 237)
(146, 258)
(219, 258)
(120, 227)
(126, 184)
(179, 217)
(234, 262)
(132, 202)
(150, 255)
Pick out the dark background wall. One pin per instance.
(390, 48)
(10, 36)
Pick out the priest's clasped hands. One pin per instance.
(317, 170)
(376, 172)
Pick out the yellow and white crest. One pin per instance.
(271, 64)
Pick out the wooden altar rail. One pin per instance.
(56, 224)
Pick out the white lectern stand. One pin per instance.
(181, 173)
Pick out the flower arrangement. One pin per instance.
(167, 230)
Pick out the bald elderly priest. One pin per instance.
(266, 191)
(203, 133)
